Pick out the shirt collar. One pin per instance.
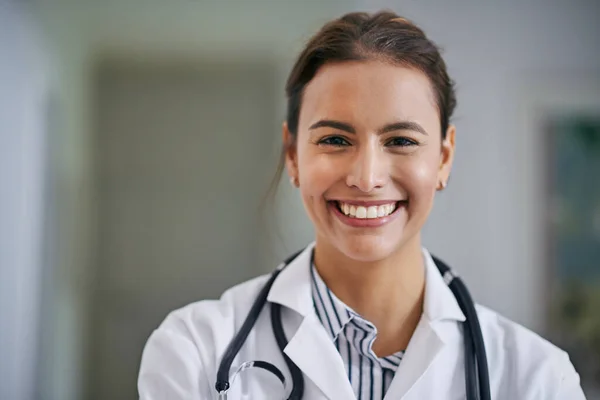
(331, 311)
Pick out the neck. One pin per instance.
(388, 293)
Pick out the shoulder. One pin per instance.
(180, 357)
(204, 315)
(525, 364)
(502, 333)
(212, 320)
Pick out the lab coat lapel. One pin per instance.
(422, 350)
(441, 313)
(309, 346)
(322, 364)
(312, 350)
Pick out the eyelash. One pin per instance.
(406, 141)
(329, 141)
(335, 141)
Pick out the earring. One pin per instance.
(441, 185)
(294, 181)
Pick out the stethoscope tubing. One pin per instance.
(477, 382)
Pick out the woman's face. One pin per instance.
(368, 156)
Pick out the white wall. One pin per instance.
(486, 223)
(23, 98)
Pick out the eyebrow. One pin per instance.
(396, 126)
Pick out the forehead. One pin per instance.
(369, 93)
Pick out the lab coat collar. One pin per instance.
(439, 302)
(293, 289)
(434, 330)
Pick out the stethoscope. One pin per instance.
(476, 369)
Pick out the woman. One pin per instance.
(365, 311)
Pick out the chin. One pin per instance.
(367, 248)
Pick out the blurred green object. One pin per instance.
(578, 318)
(588, 133)
(575, 247)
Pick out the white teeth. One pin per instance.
(367, 212)
(361, 212)
(372, 212)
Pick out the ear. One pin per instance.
(291, 154)
(448, 148)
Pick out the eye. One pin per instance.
(401, 142)
(336, 141)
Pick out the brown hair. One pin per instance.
(359, 36)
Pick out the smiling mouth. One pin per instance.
(367, 212)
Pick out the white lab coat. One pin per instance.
(181, 357)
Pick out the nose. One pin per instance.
(368, 170)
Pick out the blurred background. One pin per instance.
(138, 139)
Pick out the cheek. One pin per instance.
(316, 175)
(425, 176)
(419, 177)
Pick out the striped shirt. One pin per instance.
(353, 336)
